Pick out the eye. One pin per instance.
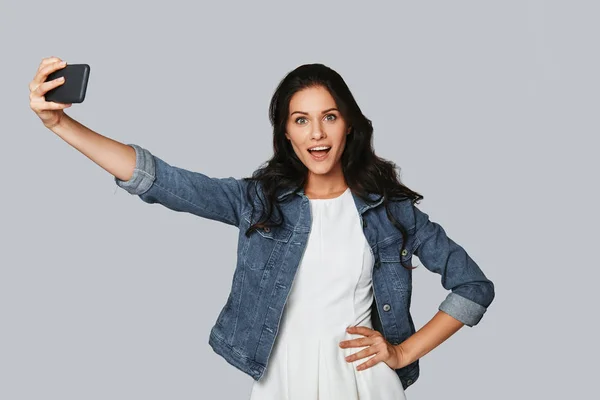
(327, 116)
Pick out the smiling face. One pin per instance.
(314, 120)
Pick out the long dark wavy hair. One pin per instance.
(363, 171)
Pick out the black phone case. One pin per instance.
(74, 87)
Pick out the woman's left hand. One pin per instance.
(384, 350)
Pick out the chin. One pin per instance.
(320, 169)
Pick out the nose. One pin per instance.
(317, 132)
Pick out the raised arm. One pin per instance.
(155, 181)
(115, 157)
(140, 173)
(135, 169)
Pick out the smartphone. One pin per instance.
(74, 87)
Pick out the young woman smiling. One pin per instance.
(319, 305)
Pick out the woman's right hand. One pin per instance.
(49, 112)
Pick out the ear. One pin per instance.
(287, 136)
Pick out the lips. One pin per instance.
(320, 147)
(319, 155)
(319, 151)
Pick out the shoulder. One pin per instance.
(405, 212)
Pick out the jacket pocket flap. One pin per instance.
(392, 252)
(279, 233)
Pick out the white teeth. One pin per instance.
(320, 148)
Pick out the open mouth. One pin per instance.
(320, 152)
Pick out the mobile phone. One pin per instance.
(74, 87)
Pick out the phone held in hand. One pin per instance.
(74, 87)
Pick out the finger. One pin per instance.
(46, 86)
(57, 106)
(358, 342)
(361, 330)
(369, 363)
(361, 354)
(49, 105)
(43, 73)
(51, 67)
(48, 60)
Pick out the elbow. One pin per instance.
(469, 302)
(488, 293)
(481, 292)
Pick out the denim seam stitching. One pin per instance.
(239, 302)
(145, 173)
(222, 340)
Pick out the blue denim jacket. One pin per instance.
(246, 328)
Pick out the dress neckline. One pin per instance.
(330, 199)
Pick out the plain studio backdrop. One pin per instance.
(490, 109)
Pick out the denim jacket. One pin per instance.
(246, 328)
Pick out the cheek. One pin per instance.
(341, 145)
(294, 133)
(293, 139)
(295, 148)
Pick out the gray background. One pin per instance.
(489, 108)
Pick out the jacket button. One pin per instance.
(386, 307)
(267, 229)
(409, 382)
(404, 252)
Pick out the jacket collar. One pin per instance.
(362, 206)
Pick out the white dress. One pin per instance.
(332, 290)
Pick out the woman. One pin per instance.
(327, 232)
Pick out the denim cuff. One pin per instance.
(466, 311)
(143, 173)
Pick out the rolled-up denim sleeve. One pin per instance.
(156, 181)
(471, 291)
(143, 173)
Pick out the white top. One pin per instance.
(332, 290)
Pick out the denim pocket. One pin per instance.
(265, 246)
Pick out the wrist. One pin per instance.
(405, 355)
(60, 125)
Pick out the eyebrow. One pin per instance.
(322, 112)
